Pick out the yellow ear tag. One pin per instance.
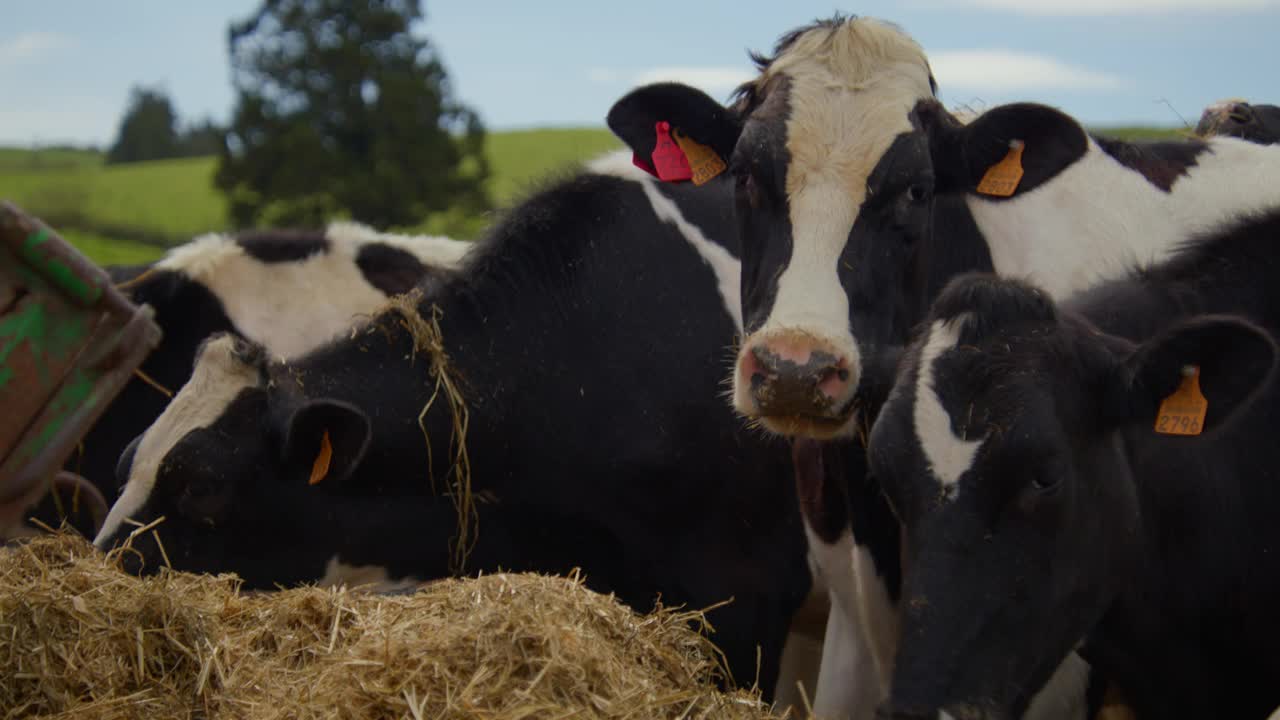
(1182, 413)
(1002, 178)
(704, 163)
(321, 466)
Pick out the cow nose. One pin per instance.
(801, 377)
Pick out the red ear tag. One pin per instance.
(643, 165)
(668, 158)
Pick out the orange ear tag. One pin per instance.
(1002, 178)
(703, 161)
(321, 466)
(1182, 413)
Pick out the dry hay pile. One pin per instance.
(78, 638)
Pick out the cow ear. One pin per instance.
(327, 439)
(1006, 151)
(1206, 369)
(686, 112)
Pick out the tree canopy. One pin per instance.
(342, 109)
(148, 131)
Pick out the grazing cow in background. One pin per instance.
(1237, 118)
(586, 337)
(1026, 449)
(290, 290)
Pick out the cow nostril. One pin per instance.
(833, 382)
(757, 380)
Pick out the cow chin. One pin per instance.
(811, 427)
(819, 427)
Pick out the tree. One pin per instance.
(342, 108)
(148, 130)
(202, 138)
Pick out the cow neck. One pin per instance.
(1099, 218)
(1173, 480)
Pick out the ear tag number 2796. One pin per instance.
(1182, 413)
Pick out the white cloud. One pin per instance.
(1009, 70)
(29, 45)
(1117, 7)
(713, 80)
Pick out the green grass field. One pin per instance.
(128, 213)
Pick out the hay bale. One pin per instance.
(79, 638)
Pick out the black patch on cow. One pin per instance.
(634, 117)
(276, 246)
(993, 302)
(874, 525)
(391, 269)
(708, 217)
(759, 170)
(1161, 163)
(962, 154)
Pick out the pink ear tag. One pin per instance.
(668, 158)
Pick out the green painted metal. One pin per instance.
(69, 341)
(85, 289)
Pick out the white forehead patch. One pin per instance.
(851, 90)
(216, 381)
(947, 454)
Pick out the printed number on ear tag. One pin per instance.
(1182, 413)
(704, 163)
(320, 468)
(1002, 178)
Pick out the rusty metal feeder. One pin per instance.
(69, 341)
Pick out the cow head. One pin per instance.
(244, 469)
(1237, 118)
(1000, 451)
(800, 142)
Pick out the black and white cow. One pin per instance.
(1237, 118)
(1045, 510)
(588, 335)
(290, 290)
(798, 143)
(856, 205)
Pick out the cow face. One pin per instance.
(229, 466)
(1236, 118)
(800, 142)
(999, 451)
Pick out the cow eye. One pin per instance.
(1046, 481)
(917, 192)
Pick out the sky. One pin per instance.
(66, 66)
